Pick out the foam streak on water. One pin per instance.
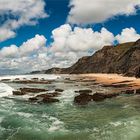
(5, 90)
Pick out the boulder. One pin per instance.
(45, 98)
(18, 92)
(82, 99)
(98, 97)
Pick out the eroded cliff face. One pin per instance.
(122, 59)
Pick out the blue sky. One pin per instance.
(58, 11)
(60, 25)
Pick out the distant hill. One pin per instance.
(122, 59)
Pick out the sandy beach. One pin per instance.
(109, 79)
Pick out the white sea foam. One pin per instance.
(26, 115)
(5, 90)
(56, 125)
(118, 123)
(40, 76)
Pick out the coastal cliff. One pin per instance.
(122, 59)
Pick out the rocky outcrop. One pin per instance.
(86, 91)
(138, 72)
(131, 91)
(85, 98)
(23, 91)
(33, 90)
(82, 99)
(122, 59)
(45, 98)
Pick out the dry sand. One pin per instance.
(109, 79)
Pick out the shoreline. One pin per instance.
(109, 79)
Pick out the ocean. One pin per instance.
(112, 119)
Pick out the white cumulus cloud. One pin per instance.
(128, 35)
(32, 45)
(96, 11)
(6, 34)
(10, 51)
(16, 13)
(80, 39)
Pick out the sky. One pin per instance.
(41, 34)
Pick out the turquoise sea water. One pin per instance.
(113, 119)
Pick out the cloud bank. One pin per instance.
(69, 44)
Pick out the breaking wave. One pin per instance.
(5, 90)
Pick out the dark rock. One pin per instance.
(32, 82)
(137, 43)
(33, 99)
(59, 90)
(138, 72)
(129, 91)
(82, 99)
(111, 95)
(126, 81)
(42, 79)
(19, 93)
(98, 97)
(5, 80)
(86, 91)
(17, 79)
(43, 95)
(44, 98)
(116, 85)
(67, 78)
(23, 91)
(137, 91)
(36, 79)
(53, 94)
(32, 90)
(49, 100)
